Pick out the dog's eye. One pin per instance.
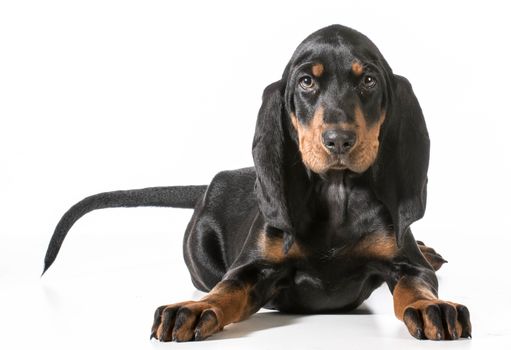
(369, 82)
(306, 82)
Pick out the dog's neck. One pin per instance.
(332, 193)
(336, 202)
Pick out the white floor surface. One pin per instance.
(109, 277)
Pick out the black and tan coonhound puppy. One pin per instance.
(341, 155)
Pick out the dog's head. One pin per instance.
(339, 107)
(335, 96)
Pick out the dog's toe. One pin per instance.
(437, 320)
(193, 320)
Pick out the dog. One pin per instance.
(341, 153)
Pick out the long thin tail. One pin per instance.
(175, 196)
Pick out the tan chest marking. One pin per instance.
(377, 245)
(272, 249)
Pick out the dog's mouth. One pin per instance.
(338, 163)
(357, 160)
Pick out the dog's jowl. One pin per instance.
(323, 218)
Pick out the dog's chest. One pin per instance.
(346, 256)
(338, 279)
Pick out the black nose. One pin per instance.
(339, 141)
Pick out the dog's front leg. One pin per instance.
(416, 303)
(242, 292)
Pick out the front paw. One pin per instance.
(191, 320)
(437, 320)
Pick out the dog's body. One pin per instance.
(341, 155)
(335, 268)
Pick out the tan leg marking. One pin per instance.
(426, 316)
(226, 303)
(272, 249)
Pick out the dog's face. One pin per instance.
(336, 103)
(339, 107)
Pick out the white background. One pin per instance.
(106, 95)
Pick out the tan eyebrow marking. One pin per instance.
(357, 68)
(317, 70)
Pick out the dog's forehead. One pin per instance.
(317, 50)
(342, 37)
(335, 46)
(327, 59)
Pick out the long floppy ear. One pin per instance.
(399, 175)
(281, 176)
